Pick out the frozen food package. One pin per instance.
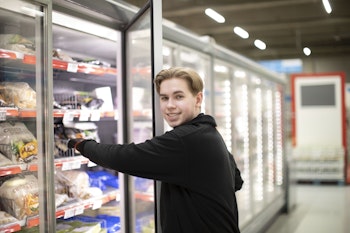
(4, 161)
(86, 130)
(18, 43)
(19, 196)
(60, 199)
(59, 54)
(17, 143)
(17, 94)
(78, 226)
(74, 182)
(6, 218)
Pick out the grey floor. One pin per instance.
(318, 209)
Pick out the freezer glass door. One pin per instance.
(84, 91)
(222, 101)
(24, 116)
(143, 58)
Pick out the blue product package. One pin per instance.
(96, 181)
(89, 219)
(101, 179)
(113, 182)
(113, 222)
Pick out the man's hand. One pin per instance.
(72, 143)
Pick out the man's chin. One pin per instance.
(173, 123)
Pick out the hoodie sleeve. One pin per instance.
(161, 158)
(236, 174)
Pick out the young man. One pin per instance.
(199, 176)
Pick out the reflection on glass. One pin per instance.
(21, 148)
(279, 137)
(222, 101)
(259, 175)
(140, 81)
(200, 63)
(270, 141)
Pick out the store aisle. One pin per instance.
(319, 208)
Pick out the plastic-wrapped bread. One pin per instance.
(76, 183)
(17, 94)
(17, 43)
(6, 218)
(19, 196)
(4, 161)
(17, 143)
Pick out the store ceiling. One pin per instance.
(286, 26)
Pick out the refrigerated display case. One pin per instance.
(178, 55)
(247, 102)
(25, 119)
(85, 93)
(63, 75)
(143, 52)
(91, 71)
(128, 54)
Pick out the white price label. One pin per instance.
(69, 213)
(84, 115)
(71, 165)
(72, 67)
(79, 210)
(95, 115)
(117, 197)
(97, 204)
(68, 116)
(2, 115)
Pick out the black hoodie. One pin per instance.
(199, 176)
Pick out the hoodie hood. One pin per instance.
(201, 119)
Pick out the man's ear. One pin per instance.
(199, 98)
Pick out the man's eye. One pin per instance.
(179, 97)
(164, 98)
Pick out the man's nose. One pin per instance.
(171, 103)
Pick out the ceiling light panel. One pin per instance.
(214, 15)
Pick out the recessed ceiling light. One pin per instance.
(307, 51)
(327, 6)
(241, 32)
(260, 44)
(214, 15)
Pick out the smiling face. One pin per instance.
(177, 103)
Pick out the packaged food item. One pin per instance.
(17, 143)
(59, 54)
(81, 224)
(60, 199)
(101, 179)
(17, 43)
(75, 184)
(6, 218)
(113, 222)
(19, 196)
(87, 130)
(17, 94)
(70, 130)
(4, 161)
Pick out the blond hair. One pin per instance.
(192, 78)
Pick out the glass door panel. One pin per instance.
(141, 125)
(143, 57)
(84, 91)
(223, 101)
(201, 64)
(241, 142)
(25, 117)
